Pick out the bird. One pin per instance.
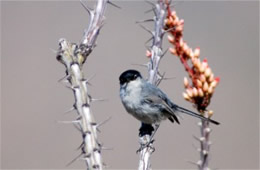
(148, 103)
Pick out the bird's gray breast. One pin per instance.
(133, 100)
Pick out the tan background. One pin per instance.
(32, 100)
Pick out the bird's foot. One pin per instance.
(147, 145)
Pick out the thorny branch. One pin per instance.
(203, 82)
(155, 54)
(73, 57)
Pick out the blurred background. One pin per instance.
(32, 100)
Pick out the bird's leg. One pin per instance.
(155, 130)
(147, 129)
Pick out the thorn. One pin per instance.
(71, 87)
(109, 2)
(98, 100)
(96, 149)
(143, 21)
(93, 123)
(79, 117)
(86, 82)
(89, 10)
(196, 148)
(149, 2)
(106, 166)
(153, 9)
(148, 48)
(169, 2)
(103, 122)
(175, 3)
(73, 160)
(168, 78)
(164, 53)
(161, 75)
(68, 122)
(70, 110)
(146, 42)
(64, 77)
(54, 51)
(195, 137)
(143, 65)
(80, 146)
(160, 79)
(86, 157)
(98, 130)
(78, 127)
(191, 162)
(105, 148)
(168, 30)
(146, 29)
(90, 78)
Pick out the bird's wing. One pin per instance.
(156, 96)
(154, 99)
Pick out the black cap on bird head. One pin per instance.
(128, 76)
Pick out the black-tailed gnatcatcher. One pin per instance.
(147, 102)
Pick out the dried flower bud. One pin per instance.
(174, 22)
(195, 92)
(185, 47)
(199, 84)
(213, 84)
(181, 42)
(196, 52)
(189, 92)
(176, 19)
(181, 22)
(148, 54)
(170, 39)
(186, 82)
(198, 64)
(205, 87)
(188, 52)
(202, 68)
(202, 78)
(185, 96)
(179, 28)
(205, 62)
(173, 51)
(208, 72)
(191, 54)
(210, 90)
(211, 77)
(193, 60)
(201, 94)
(168, 21)
(210, 113)
(173, 14)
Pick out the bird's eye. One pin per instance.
(135, 76)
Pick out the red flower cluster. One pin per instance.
(203, 84)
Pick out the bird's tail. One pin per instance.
(183, 110)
